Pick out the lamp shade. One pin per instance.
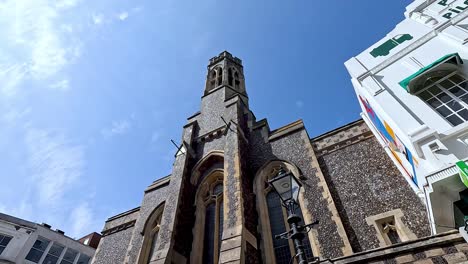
(286, 186)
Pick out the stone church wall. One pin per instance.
(364, 182)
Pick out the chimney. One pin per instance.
(60, 231)
(46, 225)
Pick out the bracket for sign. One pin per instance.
(239, 130)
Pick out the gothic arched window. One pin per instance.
(220, 76)
(273, 218)
(150, 235)
(230, 78)
(213, 79)
(236, 80)
(208, 228)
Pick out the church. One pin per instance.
(217, 207)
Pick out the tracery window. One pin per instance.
(273, 221)
(448, 96)
(208, 228)
(150, 234)
(213, 225)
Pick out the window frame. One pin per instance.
(58, 257)
(203, 198)
(44, 252)
(260, 187)
(152, 226)
(450, 94)
(3, 247)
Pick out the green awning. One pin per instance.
(453, 58)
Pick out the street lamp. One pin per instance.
(287, 187)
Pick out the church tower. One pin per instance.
(216, 206)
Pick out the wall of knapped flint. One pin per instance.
(151, 201)
(294, 148)
(365, 182)
(112, 248)
(212, 108)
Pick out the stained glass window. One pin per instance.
(210, 221)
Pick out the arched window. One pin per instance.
(230, 78)
(150, 235)
(208, 228)
(220, 76)
(213, 79)
(236, 80)
(273, 218)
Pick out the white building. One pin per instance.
(26, 242)
(412, 87)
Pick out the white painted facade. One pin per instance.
(422, 142)
(22, 235)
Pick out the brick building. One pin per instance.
(216, 207)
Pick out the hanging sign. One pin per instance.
(463, 168)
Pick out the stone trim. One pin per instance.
(346, 249)
(424, 245)
(286, 130)
(194, 178)
(403, 231)
(159, 183)
(215, 133)
(118, 228)
(123, 214)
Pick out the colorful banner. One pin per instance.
(463, 168)
(401, 153)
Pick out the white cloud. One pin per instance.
(34, 45)
(118, 128)
(56, 165)
(62, 85)
(122, 16)
(14, 115)
(299, 104)
(81, 219)
(98, 19)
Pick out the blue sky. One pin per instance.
(91, 92)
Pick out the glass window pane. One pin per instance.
(456, 78)
(153, 245)
(464, 85)
(41, 244)
(454, 105)
(446, 84)
(5, 241)
(464, 114)
(464, 98)
(444, 97)
(434, 102)
(275, 214)
(208, 247)
(454, 120)
(434, 90)
(444, 111)
(220, 224)
(34, 255)
(457, 91)
(83, 259)
(218, 189)
(69, 256)
(56, 250)
(49, 259)
(425, 95)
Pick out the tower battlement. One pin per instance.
(225, 55)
